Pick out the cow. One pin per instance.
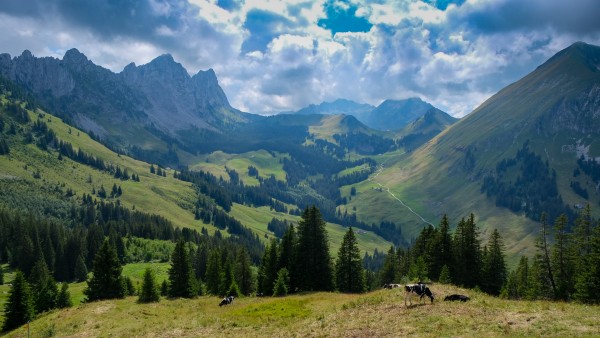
(454, 297)
(419, 289)
(391, 286)
(226, 301)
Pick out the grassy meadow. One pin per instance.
(380, 313)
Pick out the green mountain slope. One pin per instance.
(37, 179)
(543, 123)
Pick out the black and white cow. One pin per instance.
(418, 289)
(226, 301)
(454, 297)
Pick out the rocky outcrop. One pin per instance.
(160, 94)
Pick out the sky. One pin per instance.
(281, 55)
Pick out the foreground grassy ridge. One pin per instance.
(377, 314)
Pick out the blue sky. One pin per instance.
(277, 55)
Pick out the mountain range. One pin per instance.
(532, 148)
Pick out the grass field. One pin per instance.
(377, 314)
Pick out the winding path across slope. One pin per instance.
(380, 168)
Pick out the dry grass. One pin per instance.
(377, 314)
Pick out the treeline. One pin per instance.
(566, 266)
(457, 258)
(300, 261)
(365, 144)
(534, 190)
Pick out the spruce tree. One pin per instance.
(1, 275)
(281, 286)
(349, 274)
(181, 275)
(81, 272)
(287, 256)
(44, 287)
(268, 268)
(544, 254)
(312, 256)
(562, 261)
(587, 282)
(214, 275)
(466, 253)
(63, 299)
(494, 267)
(106, 282)
(149, 292)
(19, 308)
(442, 250)
(445, 275)
(390, 267)
(243, 272)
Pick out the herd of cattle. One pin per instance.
(419, 289)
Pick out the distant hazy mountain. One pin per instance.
(337, 107)
(389, 115)
(132, 106)
(424, 128)
(396, 114)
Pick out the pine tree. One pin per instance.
(81, 270)
(181, 276)
(466, 254)
(390, 267)
(18, 309)
(442, 249)
(544, 255)
(287, 256)
(44, 288)
(562, 261)
(349, 272)
(313, 257)
(268, 268)
(494, 267)
(445, 275)
(587, 282)
(243, 272)
(214, 275)
(280, 289)
(106, 282)
(149, 292)
(128, 286)
(63, 299)
(1, 275)
(164, 288)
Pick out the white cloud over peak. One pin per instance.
(276, 55)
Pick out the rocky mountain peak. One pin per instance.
(74, 56)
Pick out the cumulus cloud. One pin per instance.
(277, 55)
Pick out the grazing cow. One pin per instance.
(454, 297)
(226, 301)
(419, 289)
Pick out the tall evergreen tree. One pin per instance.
(467, 253)
(544, 255)
(149, 292)
(214, 275)
(106, 281)
(181, 276)
(313, 257)
(587, 282)
(390, 267)
(268, 268)
(1, 275)
(441, 254)
(44, 287)
(280, 287)
(63, 299)
(562, 261)
(18, 309)
(494, 267)
(243, 272)
(349, 274)
(200, 262)
(81, 271)
(287, 256)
